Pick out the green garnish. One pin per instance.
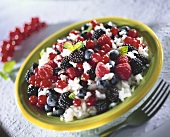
(7, 69)
(71, 96)
(88, 29)
(42, 52)
(71, 47)
(123, 50)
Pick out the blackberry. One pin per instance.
(65, 63)
(126, 28)
(83, 48)
(98, 33)
(33, 66)
(92, 74)
(130, 47)
(64, 100)
(28, 74)
(77, 56)
(32, 90)
(112, 94)
(142, 58)
(101, 106)
(48, 108)
(136, 65)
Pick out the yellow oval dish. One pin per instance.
(39, 117)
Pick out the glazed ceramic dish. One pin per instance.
(39, 117)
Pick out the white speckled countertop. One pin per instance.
(58, 13)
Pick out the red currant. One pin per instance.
(85, 77)
(74, 32)
(53, 79)
(33, 100)
(52, 56)
(102, 52)
(42, 99)
(114, 31)
(105, 59)
(132, 33)
(135, 43)
(96, 57)
(94, 23)
(58, 46)
(80, 38)
(90, 101)
(106, 48)
(77, 102)
(37, 82)
(45, 83)
(90, 44)
(61, 84)
(128, 40)
(79, 66)
(89, 35)
(32, 80)
(104, 39)
(39, 105)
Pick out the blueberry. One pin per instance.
(109, 25)
(114, 54)
(102, 84)
(88, 54)
(82, 93)
(85, 27)
(48, 108)
(55, 71)
(126, 28)
(50, 92)
(114, 80)
(83, 83)
(52, 100)
(112, 63)
(58, 111)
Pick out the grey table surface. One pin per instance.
(58, 14)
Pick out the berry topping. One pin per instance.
(64, 100)
(112, 94)
(95, 57)
(52, 100)
(32, 90)
(61, 84)
(114, 55)
(33, 100)
(88, 54)
(98, 33)
(122, 59)
(42, 99)
(102, 84)
(77, 102)
(114, 31)
(77, 56)
(104, 39)
(142, 58)
(101, 106)
(82, 93)
(90, 101)
(28, 74)
(123, 71)
(91, 73)
(136, 65)
(109, 25)
(90, 44)
(45, 72)
(85, 77)
(72, 72)
(132, 33)
(58, 111)
(47, 108)
(65, 63)
(101, 70)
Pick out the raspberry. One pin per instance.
(122, 59)
(45, 72)
(104, 39)
(72, 72)
(101, 70)
(123, 71)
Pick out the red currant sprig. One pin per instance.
(7, 47)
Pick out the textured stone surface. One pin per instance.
(58, 14)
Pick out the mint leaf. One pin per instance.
(8, 66)
(42, 52)
(88, 29)
(123, 50)
(69, 46)
(3, 75)
(78, 45)
(71, 96)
